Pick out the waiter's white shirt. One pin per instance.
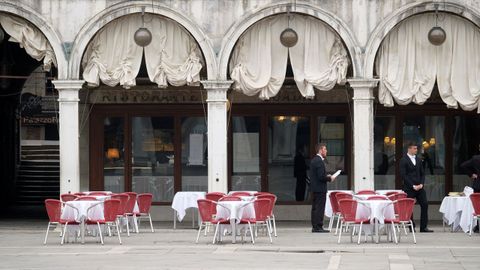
(412, 158)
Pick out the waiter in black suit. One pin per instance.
(472, 168)
(413, 175)
(318, 186)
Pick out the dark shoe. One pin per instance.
(426, 230)
(475, 229)
(321, 230)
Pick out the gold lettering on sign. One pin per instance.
(145, 96)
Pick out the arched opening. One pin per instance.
(275, 118)
(428, 103)
(145, 111)
(26, 95)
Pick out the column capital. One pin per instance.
(356, 83)
(216, 85)
(68, 84)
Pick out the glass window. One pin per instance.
(384, 153)
(194, 154)
(246, 153)
(428, 133)
(466, 143)
(153, 156)
(331, 130)
(114, 155)
(287, 136)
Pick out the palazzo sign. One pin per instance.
(146, 96)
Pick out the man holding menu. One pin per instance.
(318, 186)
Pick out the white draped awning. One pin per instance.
(30, 38)
(114, 58)
(259, 61)
(408, 65)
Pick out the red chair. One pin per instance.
(366, 192)
(65, 222)
(263, 209)
(403, 213)
(335, 210)
(348, 208)
(129, 211)
(214, 196)
(144, 201)
(377, 198)
(86, 198)
(391, 193)
(54, 211)
(208, 210)
(342, 195)
(240, 193)
(79, 194)
(230, 198)
(475, 198)
(261, 193)
(98, 193)
(397, 196)
(123, 198)
(110, 210)
(68, 197)
(271, 216)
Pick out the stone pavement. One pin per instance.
(295, 248)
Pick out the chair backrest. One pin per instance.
(97, 193)
(272, 198)
(348, 209)
(366, 192)
(207, 209)
(475, 198)
(110, 209)
(79, 194)
(261, 193)
(132, 198)
(54, 209)
(377, 197)
(86, 198)
(404, 208)
(342, 195)
(68, 197)
(397, 196)
(230, 198)
(263, 208)
(123, 202)
(391, 193)
(144, 201)
(240, 193)
(214, 196)
(333, 201)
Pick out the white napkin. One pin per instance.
(467, 191)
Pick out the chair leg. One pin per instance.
(128, 229)
(405, 229)
(199, 231)
(413, 232)
(338, 222)
(64, 232)
(359, 233)
(118, 232)
(340, 233)
(151, 224)
(274, 226)
(251, 232)
(46, 234)
(394, 233)
(270, 232)
(215, 234)
(100, 233)
(471, 225)
(330, 222)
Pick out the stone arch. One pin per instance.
(113, 12)
(334, 22)
(46, 28)
(384, 28)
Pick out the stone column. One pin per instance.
(69, 134)
(217, 134)
(363, 173)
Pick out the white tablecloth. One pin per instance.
(375, 210)
(236, 210)
(249, 191)
(366, 196)
(82, 206)
(101, 197)
(184, 200)
(88, 192)
(328, 205)
(457, 211)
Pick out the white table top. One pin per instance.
(248, 191)
(376, 210)
(88, 192)
(236, 210)
(184, 200)
(95, 213)
(385, 191)
(366, 196)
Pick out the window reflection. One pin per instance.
(153, 156)
(113, 149)
(384, 155)
(194, 154)
(466, 143)
(331, 130)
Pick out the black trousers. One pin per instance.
(421, 197)
(318, 209)
(300, 188)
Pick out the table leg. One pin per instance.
(82, 231)
(233, 223)
(174, 219)
(193, 217)
(376, 231)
